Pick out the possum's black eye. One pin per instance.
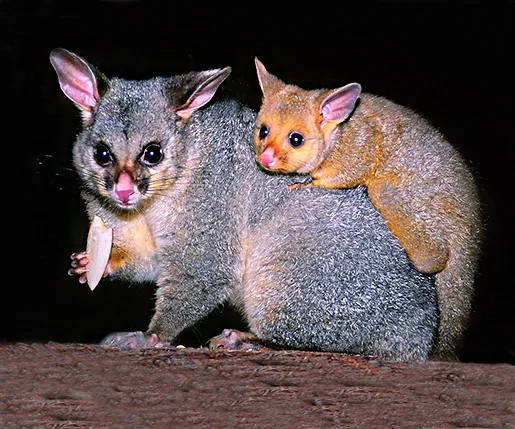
(263, 132)
(152, 154)
(296, 139)
(102, 154)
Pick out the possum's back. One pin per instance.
(319, 268)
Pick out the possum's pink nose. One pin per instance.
(124, 195)
(267, 158)
(124, 187)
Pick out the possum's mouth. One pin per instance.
(128, 201)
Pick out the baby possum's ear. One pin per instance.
(268, 83)
(337, 105)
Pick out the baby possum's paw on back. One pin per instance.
(133, 340)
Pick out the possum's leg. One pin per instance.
(427, 250)
(427, 253)
(231, 339)
(133, 340)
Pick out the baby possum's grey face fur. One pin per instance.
(125, 156)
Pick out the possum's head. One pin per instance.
(294, 126)
(129, 150)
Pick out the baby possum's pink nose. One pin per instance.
(267, 158)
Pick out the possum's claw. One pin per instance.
(79, 262)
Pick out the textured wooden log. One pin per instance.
(83, 386)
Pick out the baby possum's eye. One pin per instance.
(263, 132)
(152, 154)
(102, 154)
(296, 139)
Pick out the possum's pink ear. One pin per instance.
(268, 83)
(203, 92)
(76, 79)
(338, 105)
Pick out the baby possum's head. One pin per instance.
(294, 126)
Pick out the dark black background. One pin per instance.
(449, 63)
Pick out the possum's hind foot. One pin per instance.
(231, 339)
(133, 340)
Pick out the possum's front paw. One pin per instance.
(79, 262)
(133, 340)
(231, 339)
